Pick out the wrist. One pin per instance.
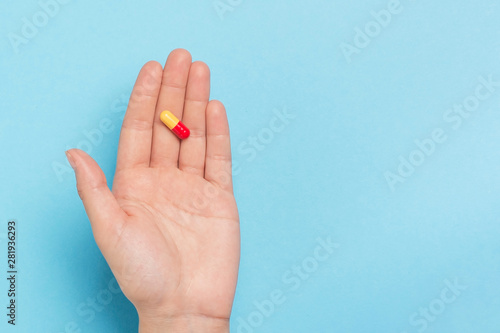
(183, 324)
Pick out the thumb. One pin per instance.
(105, 215)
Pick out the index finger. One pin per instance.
(134, 148)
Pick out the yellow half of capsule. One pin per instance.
(169, 119)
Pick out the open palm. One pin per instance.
(169, 230)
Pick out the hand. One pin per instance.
(169, 230)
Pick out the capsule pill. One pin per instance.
(174, 124)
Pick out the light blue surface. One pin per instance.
(322, 175)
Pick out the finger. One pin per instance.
(165, 149)
(105, 215)
(218, 157)
(192, 151)
(134, 148)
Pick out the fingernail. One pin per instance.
(70, 159)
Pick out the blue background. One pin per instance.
(322, 176)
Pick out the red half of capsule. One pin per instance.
(181, 131)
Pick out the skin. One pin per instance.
(169, 229)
